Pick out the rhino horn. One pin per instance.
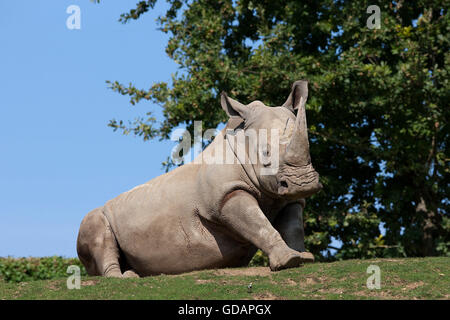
(297, 152)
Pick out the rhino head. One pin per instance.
(294, 176)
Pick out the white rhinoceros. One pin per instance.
(214, 215)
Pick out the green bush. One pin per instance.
(27, 269)
(260, 259)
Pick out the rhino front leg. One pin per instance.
(242, 214)
(289, 224)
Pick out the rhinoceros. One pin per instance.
(214, 215)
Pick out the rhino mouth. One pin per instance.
(301, 185)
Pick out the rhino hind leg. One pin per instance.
(97, 246)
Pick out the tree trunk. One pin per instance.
(429, 228)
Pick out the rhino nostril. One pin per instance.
(283, 184)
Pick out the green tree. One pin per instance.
(377, 112)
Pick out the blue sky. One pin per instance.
(58, 158)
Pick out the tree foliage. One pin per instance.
(377, 112)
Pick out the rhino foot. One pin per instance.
(292, 261)
(113, 271)
(284, 259)
(307, 257)
(130, 274)
(289, 259)
(113, 275)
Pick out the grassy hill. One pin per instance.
(412, 278)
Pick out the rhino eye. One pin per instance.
(265, 151)
(265, 155)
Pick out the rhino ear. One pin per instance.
(298, 96)
(233, 108)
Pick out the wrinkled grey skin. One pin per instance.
(202, 216)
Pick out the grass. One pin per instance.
(412, 278)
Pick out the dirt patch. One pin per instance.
(249, 271)
(202, 281)
(53, 285)
(331, 290)
(312, 280)
(192, 273)
(219, 281)
(266, 296)
(379, 294)
(254, 271)
(290, 282)
(412, 286)
(400, 261)
(89, 283)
